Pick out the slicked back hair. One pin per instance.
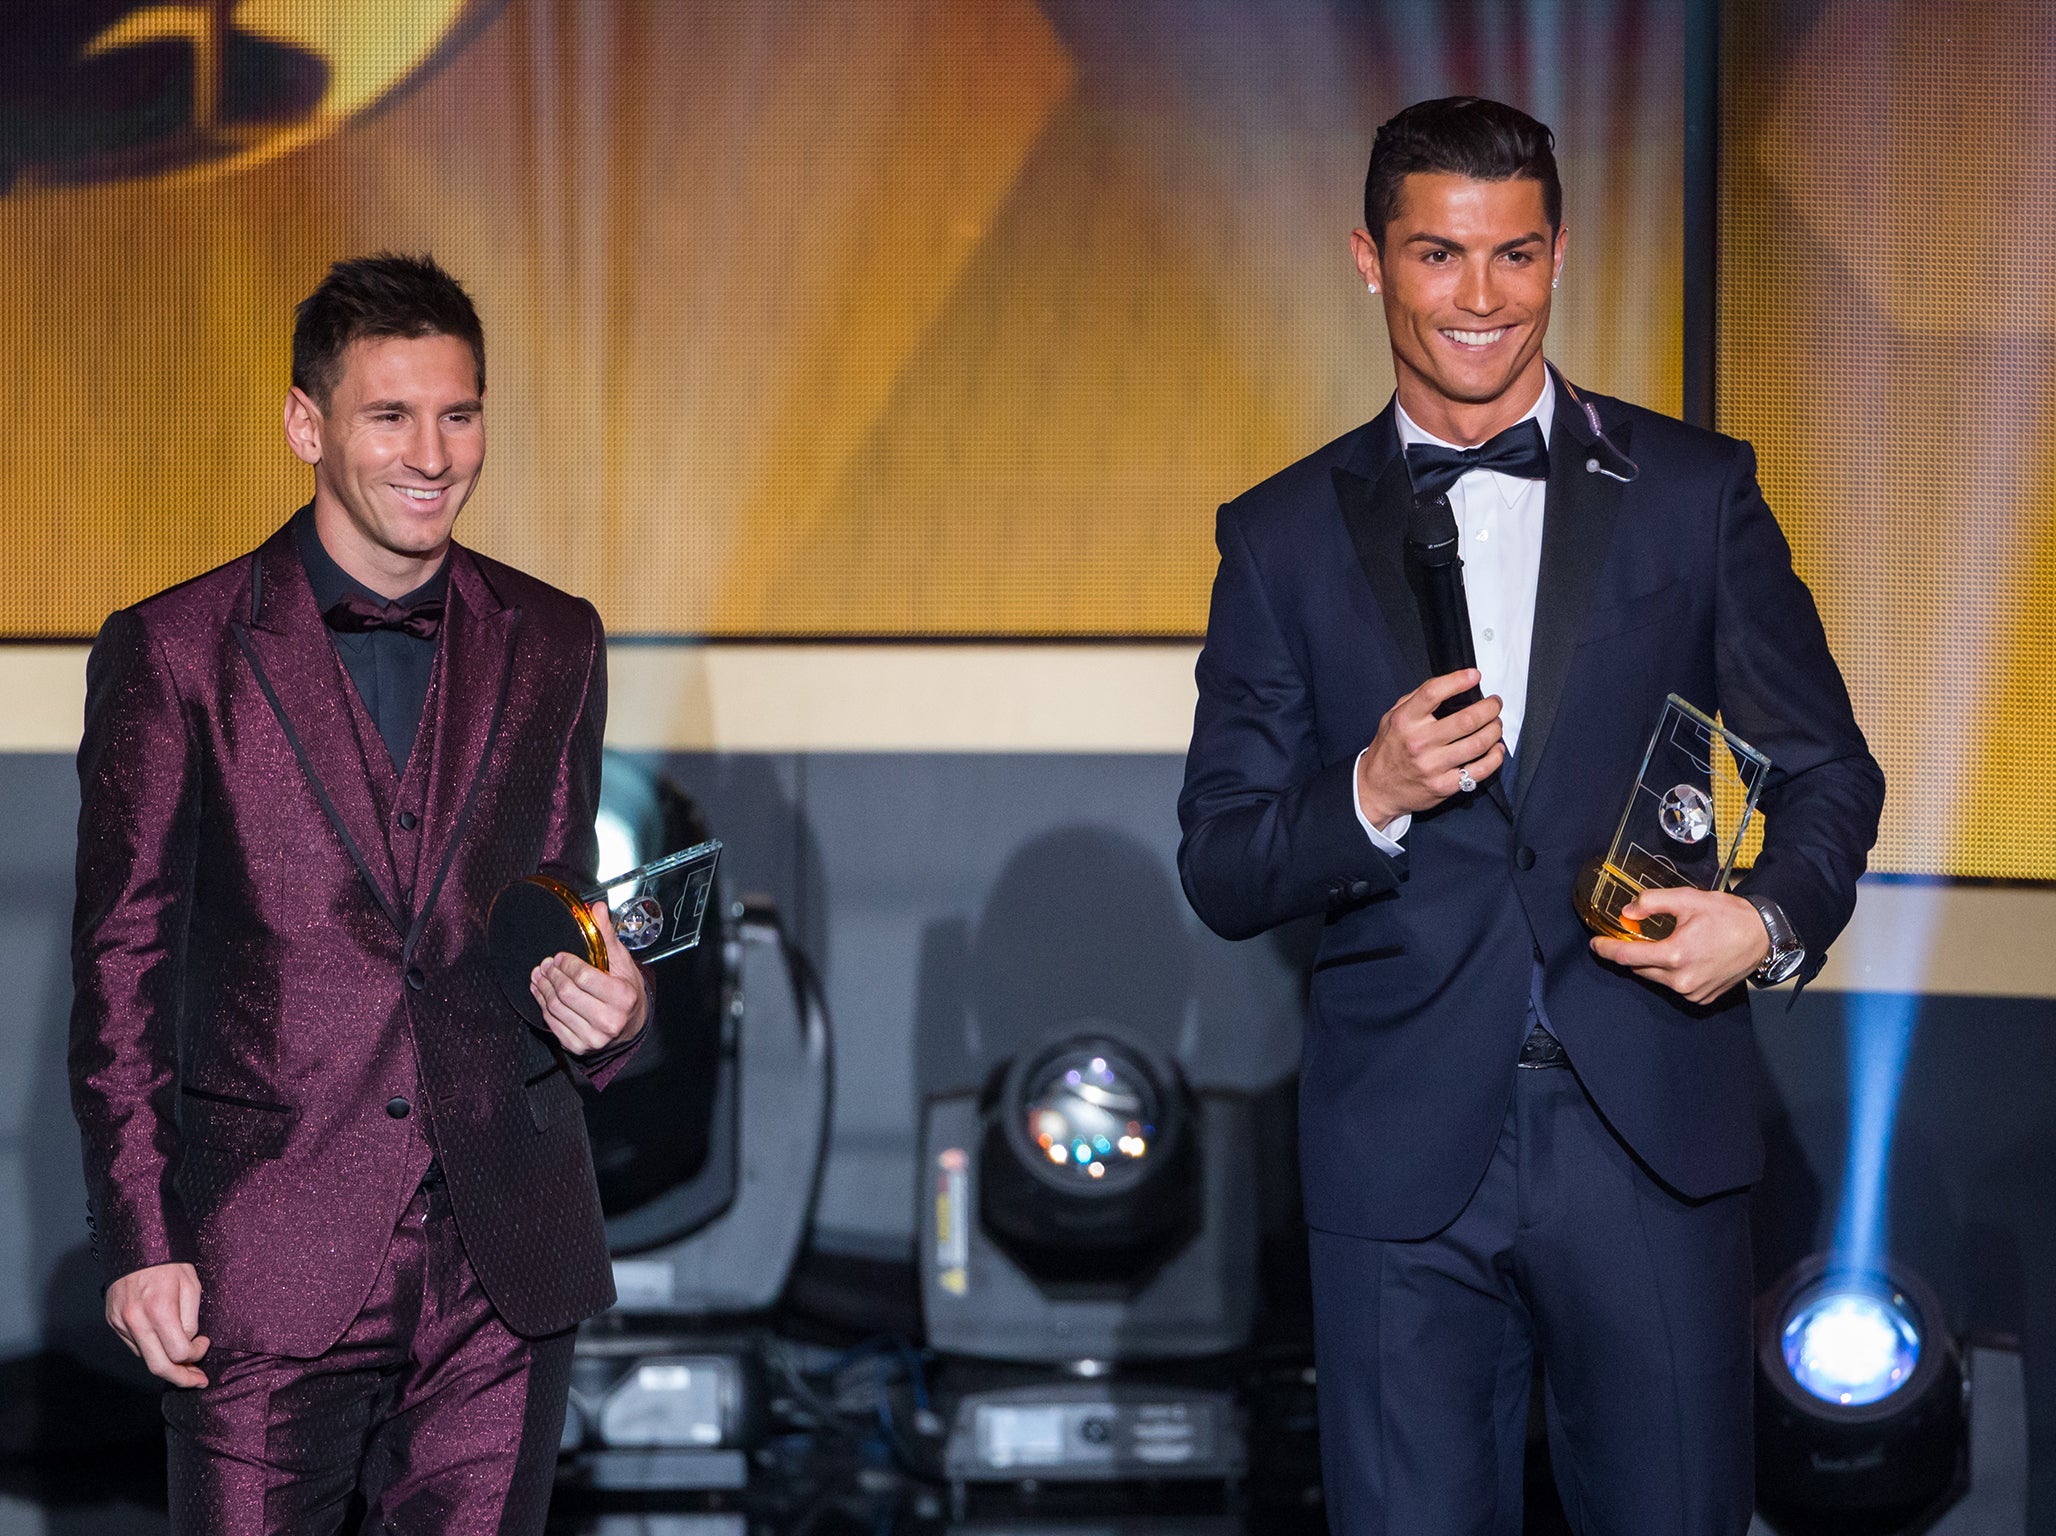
(1467, 136)
(374, 297)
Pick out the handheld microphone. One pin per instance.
(1435, 573)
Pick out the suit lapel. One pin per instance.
(1577, 527)
(302, 678)
(1376, 498)
(477, 662)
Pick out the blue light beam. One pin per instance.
(1879, 1031)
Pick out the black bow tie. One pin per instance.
(356, 615)
(1520, 451)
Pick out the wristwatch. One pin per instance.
(1787, 954)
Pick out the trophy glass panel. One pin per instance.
(659, 908)
(1696, 775)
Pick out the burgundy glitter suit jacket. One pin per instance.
(278, 939)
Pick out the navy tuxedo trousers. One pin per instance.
(1636, 1300)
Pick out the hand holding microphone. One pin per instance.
(1418, 758)
(1444, 737)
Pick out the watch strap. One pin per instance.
(1787, 952)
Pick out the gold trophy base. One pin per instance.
(1599, 893)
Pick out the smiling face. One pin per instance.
(1465, 275)
(396, 452)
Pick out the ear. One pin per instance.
(303, 426)
(1369, 266)
(1563, 244)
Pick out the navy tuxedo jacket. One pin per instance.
(1677, 582)
(275, 940)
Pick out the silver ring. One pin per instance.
(1464, 781)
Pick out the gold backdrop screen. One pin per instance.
(883, 317)
(1887, 340)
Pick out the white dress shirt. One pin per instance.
(1499, 539)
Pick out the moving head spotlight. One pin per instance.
(1090, 1172)
(1088, 1205)
(1090, 1212)
(708, 1148)
(654, 1131)
(1859, 1403)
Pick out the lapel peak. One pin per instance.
(302, 678)
(470, 691)
(1583, 502)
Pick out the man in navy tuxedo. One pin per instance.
(1518, 1140)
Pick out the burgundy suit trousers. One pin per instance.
(442, 1419)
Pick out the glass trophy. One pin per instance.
(1670, 833)
(658, 910)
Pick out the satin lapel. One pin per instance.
(296, 665)
(1577, 526)
(476, 664)
(1376, 514)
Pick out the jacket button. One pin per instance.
(1359, 890)
(409, 821)
(398, 1107)
(417, 981)
(1524, 857)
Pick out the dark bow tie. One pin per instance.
(1520, 451)
(356, 615)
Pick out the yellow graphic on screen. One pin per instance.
(902, 318)
(111, 91)
(1887, 316)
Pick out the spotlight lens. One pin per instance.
(1849, 1344)
(1094, 1113)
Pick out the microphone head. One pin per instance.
(1431, 531)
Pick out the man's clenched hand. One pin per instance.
(156, 1311)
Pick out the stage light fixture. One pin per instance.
(1860, 1414)
(707, 1147)
(1095, 1216)
(659, 1152)
(676, 1400)
(1090, 1168)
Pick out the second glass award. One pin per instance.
(1669, 833)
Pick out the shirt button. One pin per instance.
(1484, 534)
(409, 821)
(415, 979)
(1488, 634)
(398, 1107)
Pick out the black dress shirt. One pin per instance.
(390, 667)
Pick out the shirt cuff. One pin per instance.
(1388, 841)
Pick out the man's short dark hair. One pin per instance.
(1463, 136)
(378, 296)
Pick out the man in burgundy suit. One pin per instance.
(341, 1193)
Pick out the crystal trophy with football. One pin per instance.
(1695, 774)
(658, 910)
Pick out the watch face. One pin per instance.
(1781, 966)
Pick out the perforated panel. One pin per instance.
(1888, 342)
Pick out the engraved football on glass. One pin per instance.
(657, 910)
(1670, 834)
